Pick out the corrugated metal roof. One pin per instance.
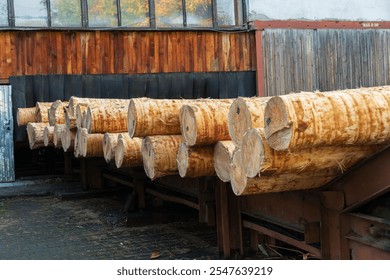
(7, 171)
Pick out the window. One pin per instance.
(3, 13)
(31, 13)
(102, 13)
(135, 13)
(229, 13)
(169, 13)
(65, 13)
(199, 13)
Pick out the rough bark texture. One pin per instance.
(35, 135)
(244, 114)
(57, 112)
(128, 151)
(25, 115)
(107, 118)
(91, 145)
(195, 161)
(70, 120)
(110, 141)
(223, 152)
(242, 185)
(42, 112)
(59, 129)
(205, 123)
(159, 155)
(68, 139)
(344, 117)
(48, 134)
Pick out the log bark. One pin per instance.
(195, 161)
(223, 152)
(107, 118)
(70, 120)
(42, 112)
(244, 114)
(25, 115)
(35, 134)
(344, 117)
(110, 141)
(260, 159)
(57, 112)
(128, 151)
(48, 134)
(68, 139)
(91, 145)
(159, 155)
(280, 182)
(59, 129)
(205, 123)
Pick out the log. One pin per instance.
(128, 151)
(90, 145)
(195, 161)
(107, 118)
(81, 110)
(344, 117)
(280, 182)
(74, 101)
(244, 114)
(77, 140)
(59, 129)
(68, 139)
(48, 134)
(57, 112)
(42, 112)
(205, 123)
(259, 159)
(159, 155)
(110, 141)
(223, 152)
(25, 115)
(35, 135)
(70, 120)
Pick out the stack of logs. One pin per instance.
(259, 144)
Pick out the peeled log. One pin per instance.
(25, 115)
(58, 130)
(48, 134)
(57, 112)
(159, 155)
(70, 120)
(42, 112)
(128, 151)
(259, 158)
(242, 185)
(67, 139)
(35, 134)
(74, 101)
(223, 153)
(205, 123)
(195, 161)
(107, 118)
(110, 141)
(91, 144)
(244, 114)
(344, 117)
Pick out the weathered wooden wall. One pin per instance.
(124, 52)
(324, 59)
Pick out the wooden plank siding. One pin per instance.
(297, 60)
(122, 52)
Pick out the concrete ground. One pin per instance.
(45, 219)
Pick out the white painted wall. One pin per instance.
(369, 10)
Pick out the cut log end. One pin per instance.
(119, 153)
(58, 130)
(48, 136)
(238, 177)
(252, 151)
(132, 118)
(35, 133)
(148, 157)
(182, 160)
(188, 126)
(223, 152)
(277, 127)
(239, 120)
